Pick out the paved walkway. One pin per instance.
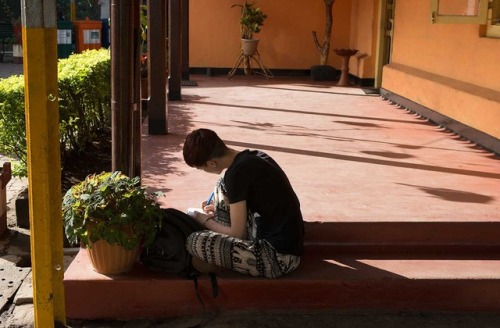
(8, 69)
(349, 155)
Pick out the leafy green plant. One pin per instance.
(113, 207)
(84, 107)
(143, 20)
(252, 18)
(12, 122)
(84, 98)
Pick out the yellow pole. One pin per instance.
(72, 10)
(44, 165)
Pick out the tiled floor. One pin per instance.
(351, 157)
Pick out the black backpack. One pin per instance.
(168, 252)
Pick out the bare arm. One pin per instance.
(238, 226)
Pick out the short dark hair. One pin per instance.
(201, 145)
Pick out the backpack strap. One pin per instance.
(215, 286)
(206, 315)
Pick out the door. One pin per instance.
(386, 33)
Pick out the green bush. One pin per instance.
(12, 122)
(84, 106)
(84, 98)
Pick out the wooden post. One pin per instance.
(44, 163)
(136, 100)
(125, 87)
(157, 67)
(174, 58)
(185, 39)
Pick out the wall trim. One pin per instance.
(480, 138)
(213, 71)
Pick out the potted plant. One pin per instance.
(110, 212)
(252, 18)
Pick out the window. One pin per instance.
(459, 11)
(493, 22)
(480, 12)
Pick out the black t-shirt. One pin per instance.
(257, 178)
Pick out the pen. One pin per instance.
(210, 198)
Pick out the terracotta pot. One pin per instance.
(111, 259)
(249, 46)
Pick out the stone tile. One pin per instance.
(11, 278)
(21, 317)
(25, 293)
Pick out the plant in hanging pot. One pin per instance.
(110, 212)
(252, 18)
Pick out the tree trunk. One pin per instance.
(324, 48)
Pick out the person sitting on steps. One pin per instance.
(254, 224)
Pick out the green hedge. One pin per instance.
(84, 106)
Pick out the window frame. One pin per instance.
(493, 30)
(479, 19)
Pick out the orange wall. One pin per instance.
(446, 67)
(452, 50)
(364, 24)
(286, 37)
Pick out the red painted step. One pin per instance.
(327, 278)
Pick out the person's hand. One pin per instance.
(209, 209)
(199, 216)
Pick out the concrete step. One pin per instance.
(328, 278)
(405, 233)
